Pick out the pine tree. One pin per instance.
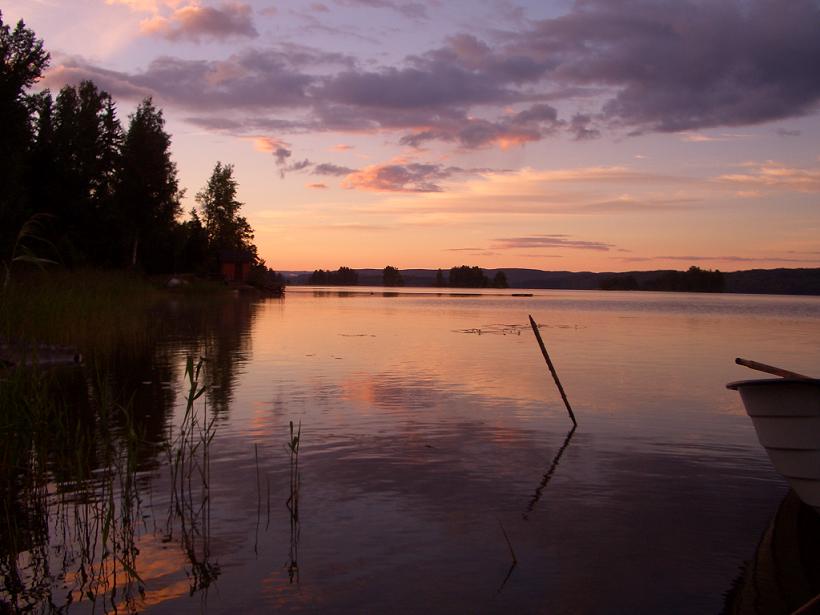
(148, 193)
(86, 144)
(22, 62)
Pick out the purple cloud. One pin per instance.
(550, 241)
(531, 124)
(412, 177)
(681, 65)
(579, 126)
(281, 154)
(327, 168)
(194, 22)
(631, 65)
(414, 10)
(252, 80)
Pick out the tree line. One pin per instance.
(457, 277)
(470, 277)
(693, 280)
(343, 276)
(79, 188)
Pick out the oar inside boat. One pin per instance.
(785, 412)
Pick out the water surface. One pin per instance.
(435, 449)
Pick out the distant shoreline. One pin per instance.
(802, 281)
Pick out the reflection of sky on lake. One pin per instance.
(420, 435)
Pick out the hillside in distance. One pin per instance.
(753, 281)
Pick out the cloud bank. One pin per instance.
(631, 66)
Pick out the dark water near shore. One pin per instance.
(430, 429)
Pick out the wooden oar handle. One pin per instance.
(769, 369)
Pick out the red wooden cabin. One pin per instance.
(235, 265)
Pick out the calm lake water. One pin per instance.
(434, 446)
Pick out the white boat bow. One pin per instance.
(786, 415)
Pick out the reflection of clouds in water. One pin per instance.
(602, 501)
(420, 438)
(278, 592)
(390, 391)
(163, 569)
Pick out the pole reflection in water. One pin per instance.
(549, 474)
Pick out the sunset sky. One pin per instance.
(603, 135)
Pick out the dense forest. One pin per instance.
(79, 189)
(693, 280)
(471, 277)
(457, 277)
(343, 276)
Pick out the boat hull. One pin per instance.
(786, 416)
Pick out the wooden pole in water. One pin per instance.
(552, 370)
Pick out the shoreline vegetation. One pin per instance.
(94, 312)
(81, 191)
(802, 281)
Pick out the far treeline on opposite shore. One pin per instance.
(694, 279)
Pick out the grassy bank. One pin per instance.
(74, 437)
(92, 311)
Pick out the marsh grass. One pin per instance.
(68, 487)
(94, 311)
(72, 509)
(72, 449)
(189, 459)
(97, 312)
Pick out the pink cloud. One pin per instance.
(194, 22)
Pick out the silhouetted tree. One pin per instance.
(392, 277)
(694, 280)
(85, 143)
(440, 279)
(192, 245)
(318, 277)
(22, 62)
(111, 197)
(620, 282)
(468, 277)
(43, 181)
(264, 277)
(148, 192)
(344, 276)
(226, 229)
(500, 280)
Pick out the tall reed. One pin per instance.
(95, 311)
(70, 485)
(293, 501)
